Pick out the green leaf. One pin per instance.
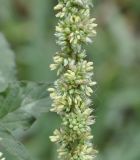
(10, 99)
(21, 104)
(12, 146)
(7, 64)
(36, 98)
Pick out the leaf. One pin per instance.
(12, 146)
(36, 98)
(10, 99)
(21, 104)
(7, 64)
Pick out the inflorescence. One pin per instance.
(72, 90)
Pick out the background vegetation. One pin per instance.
(29, 27)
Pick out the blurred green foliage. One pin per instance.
(29, 26)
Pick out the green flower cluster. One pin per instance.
(72, 90)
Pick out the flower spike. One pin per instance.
(73, 88)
